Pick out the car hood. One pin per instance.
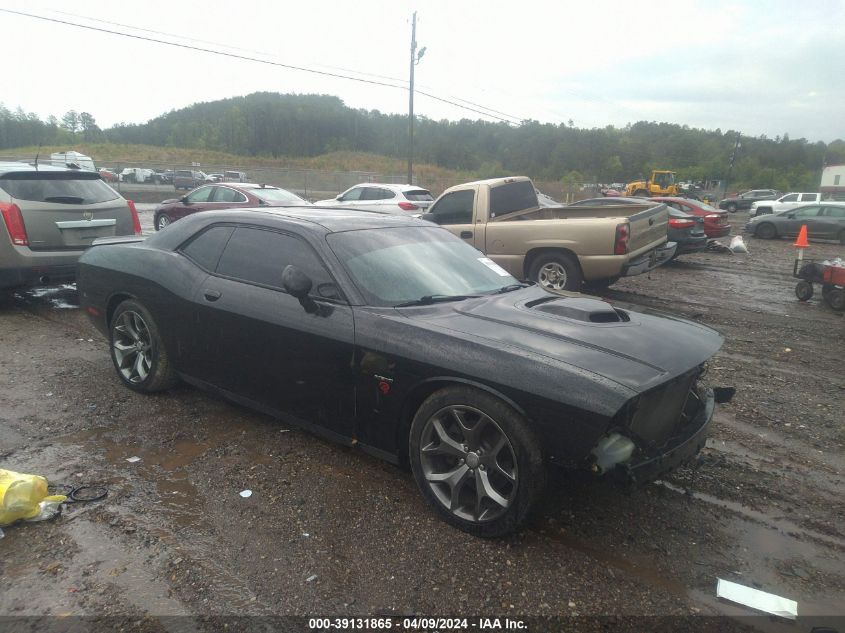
(638, 350)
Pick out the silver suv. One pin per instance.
(394, 199)
(50, 215)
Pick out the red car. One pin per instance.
(715, 221)
(228, 195)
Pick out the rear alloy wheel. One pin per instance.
(476, 461)
(766, 231)
(556, 272)
(162, 220)
(731, 207)
(137, 351)
(804, 290)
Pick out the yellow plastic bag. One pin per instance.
(24, 497)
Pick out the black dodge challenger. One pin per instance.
(393, 335)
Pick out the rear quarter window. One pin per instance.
(57, 187)
(204, 249)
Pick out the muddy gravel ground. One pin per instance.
(331, 531)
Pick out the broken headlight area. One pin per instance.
(657, 431)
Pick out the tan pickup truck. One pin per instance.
(558, 247)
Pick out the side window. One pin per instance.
(259, 256)
(200, 195)
(455, 207)
(352, 194)
(808, 197)
(224, 194)
(793, 197)
(834, 212)
(807, 212)
(204, 249)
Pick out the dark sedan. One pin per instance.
(224, 196)
(746, 199)
(394, 336)
(688, 231)
(824, 221)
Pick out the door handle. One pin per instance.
(211, 295)
(466, 234)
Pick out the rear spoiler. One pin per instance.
(123, 239)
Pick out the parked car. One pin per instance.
(746, 199)
(824, 221)
(558, 248)
(789, 201)
(716, 222)
(50, 216)
(234, 176)
(398, 199)
(187, 179)
(163, 177)
(687, 231)
(136, 175)
(609, 201)
(108, 175)
(223, 196)
(214, 178)
(389, 334)
(73, 160)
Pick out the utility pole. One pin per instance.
(411, 100)
(737, 145)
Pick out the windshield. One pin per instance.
(400, 265)
(269, 194)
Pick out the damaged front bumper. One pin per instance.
(680, 450)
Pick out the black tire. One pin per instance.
(137, 351)
(804, 290)
(766, 231)
(513, 467)
(836, 299)
(731, 207)
(556, 271)
(162, 220)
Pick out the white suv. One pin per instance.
(393, 199)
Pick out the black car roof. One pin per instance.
(314, 220)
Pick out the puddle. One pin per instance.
(775, 522)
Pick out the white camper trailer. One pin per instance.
(72, 160)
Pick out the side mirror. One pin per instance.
(791, 216)
(431, 217)
(298, 284)
(339, 197)
(184, 199)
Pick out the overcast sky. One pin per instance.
(760, 67)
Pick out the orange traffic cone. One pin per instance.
(801, 242)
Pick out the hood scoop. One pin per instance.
(582, 309)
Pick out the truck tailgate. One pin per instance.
(649, 228)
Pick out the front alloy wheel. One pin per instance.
(469, 463)
(476, 460)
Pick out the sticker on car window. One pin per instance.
(494, 266)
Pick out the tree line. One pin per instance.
(292, 125)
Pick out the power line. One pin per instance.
(202, 49)
(258, 52)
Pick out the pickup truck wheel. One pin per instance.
(766, 231)
(731, 207)
(137, 350)
(556, 272)
(476, 461)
